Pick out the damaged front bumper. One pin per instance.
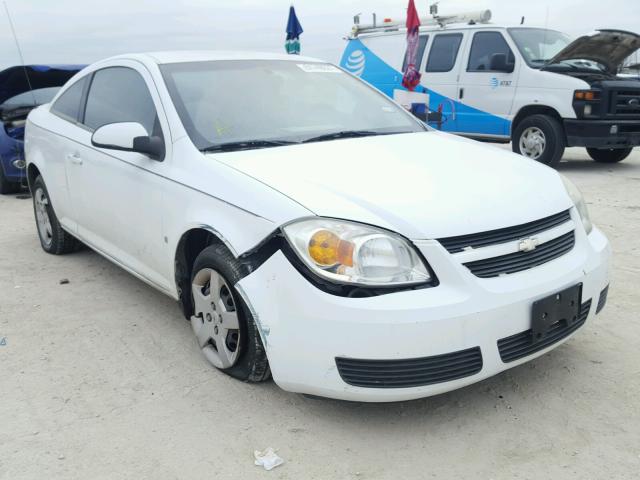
(328, 345)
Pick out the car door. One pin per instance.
(440, 76)
(119, 194)
(67, 135)
(487, 85)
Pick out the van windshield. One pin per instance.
(538, 45)
(242, 104)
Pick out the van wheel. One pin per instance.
(53, 238)
(223, 324)
(609, 155)
(540, 138)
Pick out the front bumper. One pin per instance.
(597, 133)
(304, 329)
(11, 150)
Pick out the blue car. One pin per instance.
(23, 88)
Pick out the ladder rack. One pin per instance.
(391, 25)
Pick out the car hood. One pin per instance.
(607, 47)
(422, 185)
(13, 80)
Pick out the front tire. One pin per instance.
(223, 324)
(53, 238)
(609, 155)
(540, 138)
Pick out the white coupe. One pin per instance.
(310, 228)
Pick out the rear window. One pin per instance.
(67, 105)
(444, 52)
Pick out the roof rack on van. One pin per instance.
(391, 25)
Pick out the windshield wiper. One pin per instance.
(346, 134)
(245, 145)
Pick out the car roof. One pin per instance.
(213, 55)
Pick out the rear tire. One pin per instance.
(7, 187)
(609, 155)
(53, 238)
(540, 138)
(224, 326)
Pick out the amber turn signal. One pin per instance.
(588, 95)
(328, 249)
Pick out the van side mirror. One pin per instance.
(128, 137)
(499, 63)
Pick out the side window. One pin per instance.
(485, 47)
(444, 52)
(119, 94)
(422, 44)
(68, 105)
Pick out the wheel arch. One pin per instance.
(191, 243)
(529, 110)
(32, 173)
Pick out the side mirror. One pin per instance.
(128, 137)
(499, 63)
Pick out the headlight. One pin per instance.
(578, 201)
(352, 253)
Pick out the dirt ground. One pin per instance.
(101, 378)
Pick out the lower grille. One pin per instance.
(414, 372)
(519, 261)
(602, 301)
(521, 344)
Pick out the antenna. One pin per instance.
(15, 38)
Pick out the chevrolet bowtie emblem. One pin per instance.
(528, 244)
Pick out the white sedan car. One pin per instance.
(309, 227)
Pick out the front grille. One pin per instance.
(414, 372)
(626, 102)
(602, 300)
(503, 235)
(521, 344)
(519, 261)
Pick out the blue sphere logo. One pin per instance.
(494, 83)
(356, 63)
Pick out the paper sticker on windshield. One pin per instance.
(318, 68)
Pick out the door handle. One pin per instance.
(75, 158)
(461, 95)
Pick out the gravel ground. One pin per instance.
(100, 378)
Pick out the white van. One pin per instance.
(531, 86)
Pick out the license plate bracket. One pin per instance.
(563, 306)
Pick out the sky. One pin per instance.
(83, 31)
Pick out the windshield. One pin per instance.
(31, 98)
(269, 103)
(538, 45)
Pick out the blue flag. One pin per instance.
(294, 29)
